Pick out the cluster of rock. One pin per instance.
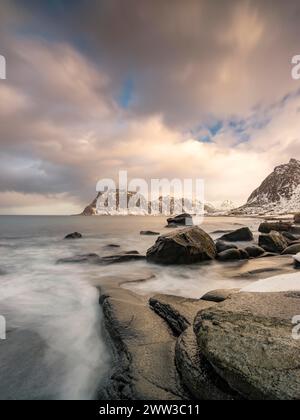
(229, 345)
(193, 245)
(280, 238)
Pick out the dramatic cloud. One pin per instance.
(173, 88)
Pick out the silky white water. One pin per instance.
(55, 347)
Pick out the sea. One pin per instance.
(53, 343)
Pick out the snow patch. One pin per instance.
(281, 283)
(297, 257)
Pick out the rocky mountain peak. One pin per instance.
(279, 192)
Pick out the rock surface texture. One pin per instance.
(144, 345)
(186, 246)
(197, 374)
(178, 312)
(273, 242)
(248, 340)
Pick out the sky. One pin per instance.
(162, 89)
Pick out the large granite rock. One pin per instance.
(273, 242)
(240, 235)
(267, 227)
(248, 340)
(186, 246)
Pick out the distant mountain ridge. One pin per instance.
(279, 193)
(142, 208)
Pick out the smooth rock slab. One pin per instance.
(96, 259)
(144, 368)
(248, 340)
(81, 259)
(197, 375)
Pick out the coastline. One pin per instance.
(156, 316)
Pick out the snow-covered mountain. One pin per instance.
(278, 194)
(137, 205)
(227, 205)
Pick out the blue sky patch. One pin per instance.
(126, 96)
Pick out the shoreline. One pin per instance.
(152, 359)
(158, 326)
